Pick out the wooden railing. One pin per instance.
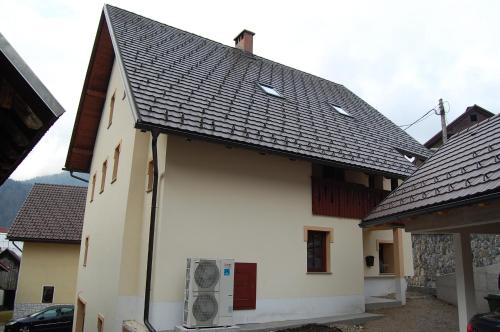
(342, 199)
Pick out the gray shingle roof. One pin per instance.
(51, 213)
(187, 84)
(465, 167)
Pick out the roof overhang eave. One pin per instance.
(27, 239)
(394, 218)
(228, 142)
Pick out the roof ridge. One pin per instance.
(39, 184)
(224, 45)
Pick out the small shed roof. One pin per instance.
(51, 213)
(27, 109)
(467, 167)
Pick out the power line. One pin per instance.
(423, 117)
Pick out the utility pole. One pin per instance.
(443, 121)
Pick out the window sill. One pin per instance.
(149, 190)
(318, 272)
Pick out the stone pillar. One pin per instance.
(466, 297)
(397, 238)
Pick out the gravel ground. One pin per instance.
(420, 314)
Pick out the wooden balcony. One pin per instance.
(341, 199)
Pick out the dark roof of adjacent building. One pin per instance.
(466, 167)
(185, 84)
(460, 123)
(51, 213)
(28, 109)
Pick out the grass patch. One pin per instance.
(5, 316)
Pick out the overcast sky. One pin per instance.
(398, 56)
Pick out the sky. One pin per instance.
(399, 56)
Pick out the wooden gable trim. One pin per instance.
(91, 101)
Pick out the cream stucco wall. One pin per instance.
(113, 252)
(48, 264)
(235, 203)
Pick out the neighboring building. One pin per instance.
(50, 225)
(472, 115)
(28, 109)
(9, 270)
(6, 244)
(456, 191)
(248, 159)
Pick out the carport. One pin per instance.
(456, 191)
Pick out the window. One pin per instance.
(103, 174)
(340, 110)
(270, 90)
(100, 323)
(150, 176)
(245, 286)
(93, 188)
(115, 163)
(111, 109)
(48, 294)
(86, 252)
(318, 248)
(386, 257)
(48, 314)
(67, 311)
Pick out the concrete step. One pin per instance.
(375, 303)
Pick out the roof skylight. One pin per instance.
(340, 110)
(270, 90)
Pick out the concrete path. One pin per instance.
(340, 319)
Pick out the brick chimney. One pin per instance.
(244, 41)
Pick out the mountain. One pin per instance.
(13, 193)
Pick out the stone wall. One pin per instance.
(433, 255)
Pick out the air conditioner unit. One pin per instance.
(208, 300)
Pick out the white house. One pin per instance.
(240, 157)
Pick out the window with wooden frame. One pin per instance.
(318, 241)
(86, 251)
(150, 176)
(48, 294)
(92, 190)
(116, 160)
(103, 175)
(111, 109)
(100, 323)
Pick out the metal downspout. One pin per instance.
(149, 268)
